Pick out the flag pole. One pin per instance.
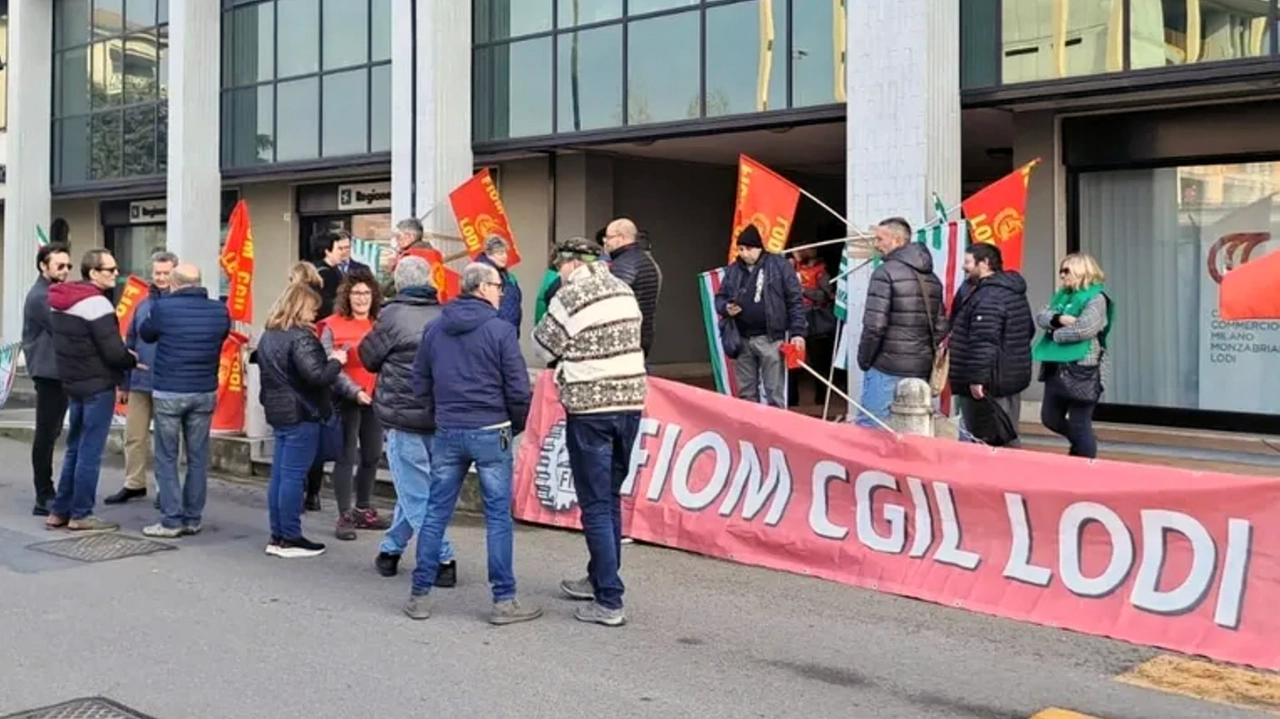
(831, 375)
(831, 386)
(824, 243)
(825, 206)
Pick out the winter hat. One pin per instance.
(750, 237)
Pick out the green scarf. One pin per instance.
(1071, 302)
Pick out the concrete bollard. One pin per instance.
(912, 408)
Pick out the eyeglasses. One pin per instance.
(1063, 272)
(62, 266)
(496, 285)
(361, 293)
(112, 269)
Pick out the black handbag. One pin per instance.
(730, 337)
(1079, 383)
(332, 444)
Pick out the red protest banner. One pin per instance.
(766, 200)
(480, 214)
(997, 214)
(237, 262)
(1152, 555)
(228, 413)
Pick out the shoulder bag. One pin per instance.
(941, 352)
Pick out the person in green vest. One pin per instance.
(1076, 324)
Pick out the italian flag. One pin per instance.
(946, 243)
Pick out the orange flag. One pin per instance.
(228, 413)
(997, 214)
(766, 200)
(1251, 291)
(237, 262)
(480, 214)
(131, 295)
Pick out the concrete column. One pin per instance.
(30, 77)
(431, 128)
(194, 188)
(903, 130)
(584, 195)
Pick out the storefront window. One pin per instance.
(1051, 39)
(1164, 237)
(1180, 32)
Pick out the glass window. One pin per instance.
(743, 76)
(71, 78)
(345, 113)
(501, 19)
(346, 33)
(583, 12)
(817, 66)
(589, 72)
(71, 148)
(107, 60)
(662, 76)
(640, 7)
(1049, 39)
(249, 45)
(380, 109)
(140, 68)
(108, 18)
(1164, 237)
(108, 145)
(1177, 32)
(979, 42)
(139, 140)
(248, 126)
(139, 15)
(380, 34)
(298, 134)
(298, 28)
(71, 23)
(513, 89)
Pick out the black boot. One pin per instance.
(387, 564)
(447, 575)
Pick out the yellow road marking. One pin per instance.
(1208, 681)
(1055, 713)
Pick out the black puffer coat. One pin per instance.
(991, 333)
(640, 271)
(895, 327)
(389, 350)
(291, 363)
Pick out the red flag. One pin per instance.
(228, 413)
(1251, 291)
(997, 214)
(131, 295)
(480, 214)
(237, 262)
(766, 200)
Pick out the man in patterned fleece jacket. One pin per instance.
(592, 330)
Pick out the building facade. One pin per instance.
(1151, 116)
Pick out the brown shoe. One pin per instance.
(370, 519)
(92, 524)
(346, 527)
(55, 522)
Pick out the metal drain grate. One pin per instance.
(93, 708)
(100, 547)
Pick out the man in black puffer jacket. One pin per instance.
(633, 263)
(991, 334)
(904, 321)
(389, 350)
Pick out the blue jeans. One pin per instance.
(186, 418)
(878, 389)
(295, 450)
(409, 455)
(86, 439)
(600, 458)
(452, 452)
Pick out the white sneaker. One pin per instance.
(159, 531)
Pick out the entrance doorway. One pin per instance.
(362, 209)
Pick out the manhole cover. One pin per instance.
(95, 708)
(100, 547)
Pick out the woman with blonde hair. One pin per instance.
(1076, 324)
(305, 273)
(295, 378)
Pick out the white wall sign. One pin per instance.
(365, 196)
(148, 211)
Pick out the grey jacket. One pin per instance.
(37, 334)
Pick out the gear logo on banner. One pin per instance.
(553, 479)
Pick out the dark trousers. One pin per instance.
(600, 458)
(51, 410)
(315, 479)
(818, 356)
(1071, 419)
(362, 448)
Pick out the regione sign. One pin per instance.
(365, 196)
(144, 212)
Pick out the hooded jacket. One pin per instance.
(468, 372)
(896, 326)
(91, 356)
(991, 334)
(389, 351)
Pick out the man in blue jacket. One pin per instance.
(188, 330)
(497, 255)
(470, 374)
(136, 393)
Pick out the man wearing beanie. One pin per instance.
(761, 295)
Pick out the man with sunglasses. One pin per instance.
(92, 362)
(54, 263)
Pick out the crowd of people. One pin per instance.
(351, 369)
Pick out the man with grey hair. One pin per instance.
(410, 241)
(388, 351)
(497, 255)
(187, 329)
(136, 392)
(470, 375)
(904, 322)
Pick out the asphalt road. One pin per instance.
(219, 630)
